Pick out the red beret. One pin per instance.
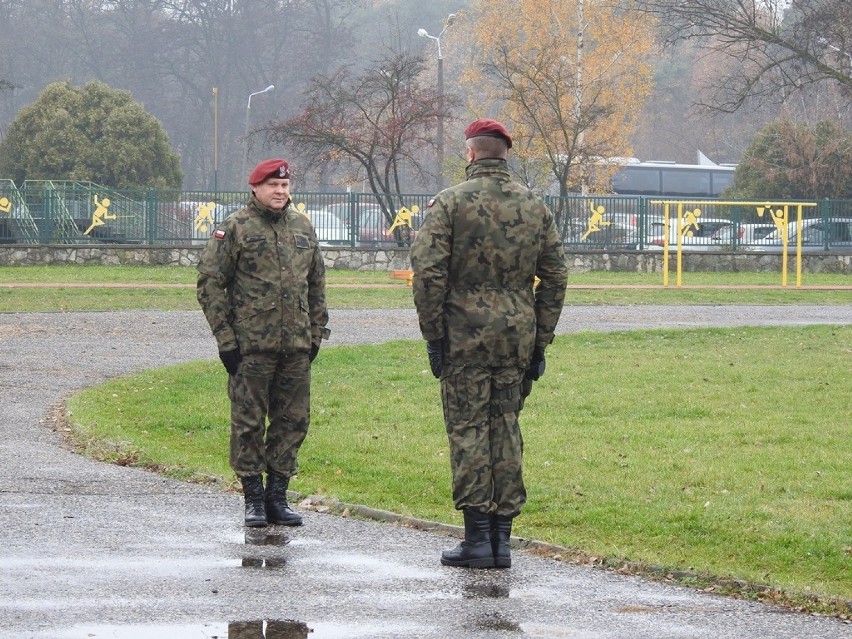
(270, 168)
(489, 128)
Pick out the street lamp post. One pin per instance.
(440, 141)
(248, 114)
(215, 139)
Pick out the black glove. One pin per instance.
(435, 351)
(231, 359)
(313, 354)
(536, 367)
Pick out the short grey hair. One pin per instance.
(485, 146)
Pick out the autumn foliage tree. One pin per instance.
(377, 122)
(568, 76)
(798, 161)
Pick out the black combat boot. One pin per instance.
(255, 510)
(277, 509)
(501, 531)
(475, 551)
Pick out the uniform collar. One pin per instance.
(488, 166)
(261, 210)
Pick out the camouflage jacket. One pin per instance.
(475, 259)
(261, 282)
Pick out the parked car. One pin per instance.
(607, 234)
(696, 236)
(817, 234)
(329, 228)
(346, 210)
(742, 236)
(373, 230)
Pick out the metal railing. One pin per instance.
(68, 212)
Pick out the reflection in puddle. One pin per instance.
(261, 538)
(485, 591)
(271, 629)
(259, 562)
(264, 538)
(496, 621)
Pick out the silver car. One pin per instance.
(819, 235)
(330, 229)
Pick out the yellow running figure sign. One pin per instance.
(101, 213)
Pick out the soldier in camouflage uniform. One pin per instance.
(261, 285)
(475, 260)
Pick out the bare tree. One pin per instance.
(377, 122)
(171, 54)
(779, 47)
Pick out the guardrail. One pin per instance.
(51, 212)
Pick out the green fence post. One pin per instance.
(354, 220)
(824, 209)
(47, 212)
(151, 216)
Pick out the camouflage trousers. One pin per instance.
(277, 387)
(481, 407)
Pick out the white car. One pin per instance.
(819, 235)
(330, 229)
(697, 235)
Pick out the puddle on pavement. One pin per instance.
(262, 538)
(269, 629)
(270, 563)
(496, 621)
(485, 591)
(356, 565)
(103, 567)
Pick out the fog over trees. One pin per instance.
(707, 93)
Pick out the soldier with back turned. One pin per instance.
(475, 259)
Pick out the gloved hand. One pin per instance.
(435, 351)
(537, 365)
(313, 354)
(231, 359)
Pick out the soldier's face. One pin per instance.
(273, 193)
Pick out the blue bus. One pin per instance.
(669, 179)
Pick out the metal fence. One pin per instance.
(68, 212)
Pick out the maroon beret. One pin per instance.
(274, 168)
(489, 128)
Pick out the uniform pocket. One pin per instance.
(459, 396)
(257, 325)
(505, 400)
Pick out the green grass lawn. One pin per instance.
(171, 288)
(723, 452)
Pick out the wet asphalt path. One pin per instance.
(94, 550)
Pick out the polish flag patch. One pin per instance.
(219, 234)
